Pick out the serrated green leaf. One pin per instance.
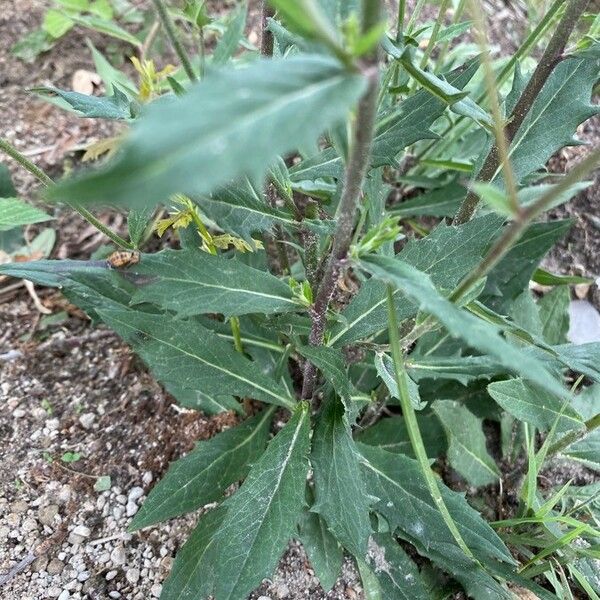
(385, 370)
(200, 141)
(192, 575)
(467, 450)
(209, 403)
(448, 253)
(137, 222)
(398, 576)
(191, 282)
(554, 315)
(324, 553)
(559, 108)
(406, 503)
(533, 405)
(15, 212)
(331, 362)
(587, 450)
(512, 274)
(263, 514)
(440, 202)
(116, 107)
(340, 494)
(230, 40)
(203, 475)
(191, 356)
(460, 368)
(392, 435)
(395, 129)
(238, 210)
(459, 323)
(91, 285)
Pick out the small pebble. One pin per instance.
(87, 420)
(156, 590)
(29, 524)
(132, 575)
(114, 594)
(131, 509)
(110, 575)
(53, 592)
(117, 512)
(64, 595)
(55, 566)
(147, 478)
(46, 514)
(83, 576)
(135, 493)
(118, 556)
(79, 534)
(122, 499)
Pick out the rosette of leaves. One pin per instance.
(358, 362)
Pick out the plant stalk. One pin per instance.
(171, 32)
(574, 436)
(551, 57)
(356, 170)
(412, 425)
(24, 162)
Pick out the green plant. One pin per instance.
(377, 361)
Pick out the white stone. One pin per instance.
(131, 509)
(147, 478)
(156, 590)
(64, 595)
(118, 556)
(132, 575)
(110, 575)
(79, 534)
(87, 420)
(135, 493)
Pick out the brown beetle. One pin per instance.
(123, 258)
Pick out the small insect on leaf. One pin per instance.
(123, 258)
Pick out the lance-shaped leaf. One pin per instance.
(187, 354)
(511, 275)
(587, 450)
(440, 202)
(385, 370)
(192, 282)
(117, 106)
(324, 552)
(238, 210)
(330, 361)
(406, 502)
(228, 44)
(467, 450)
(533, 405)
(479, 334)
(396, 129)
(234, 122)
(192, 575)
(460, 368)
(91, 285)
(340, 494)
(448, 253)
(392, 435)
(209, 403)
(554, 314)
(398, 576)
(205, 473)
(550, 124)
(263, 514)
(15, 212)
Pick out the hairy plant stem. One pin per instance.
(171, 32)
(356, 169)
(9, 149)
(412, 426)
(551, 57)
(266, 38)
